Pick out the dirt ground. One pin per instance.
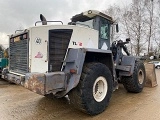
(18, 103)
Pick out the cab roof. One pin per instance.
(89, 15)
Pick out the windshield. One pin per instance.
(88, 23)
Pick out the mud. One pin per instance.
(18, 103)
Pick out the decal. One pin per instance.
(74, 43)
(38, 41)
(39, 55)
(77, 43)
(80, 44)
(104, 46)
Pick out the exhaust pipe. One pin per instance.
(43, 19)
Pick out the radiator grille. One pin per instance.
(19, 56)
(58, 45)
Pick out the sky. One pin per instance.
(22, 14)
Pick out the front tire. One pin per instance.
(93, 93)
(135, 82)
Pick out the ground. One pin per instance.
(18, 103)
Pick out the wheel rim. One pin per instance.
(100, 89)
(140, 76)
(158, 67)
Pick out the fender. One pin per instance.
(75, 60)
(127, 66)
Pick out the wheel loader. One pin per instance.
(79, 59)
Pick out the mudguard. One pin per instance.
(127, 66)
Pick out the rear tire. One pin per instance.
(135, 82)
(93, 93)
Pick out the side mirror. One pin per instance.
(117, 28)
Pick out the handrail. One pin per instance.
(18, 31)
(75, 23)
(47, 21)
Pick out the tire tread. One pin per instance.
(130, 83)
(76, 96)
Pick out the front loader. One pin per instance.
(78, 60)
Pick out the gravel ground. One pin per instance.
(18, 103)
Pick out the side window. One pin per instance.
(104, 29)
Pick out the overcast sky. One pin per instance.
(21, 14)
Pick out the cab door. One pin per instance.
(104, 34)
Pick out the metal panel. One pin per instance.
(19, 56)
(55, 82)
(58, 44)
(35, 82)
(45, 83)
(123, 67)
(128, 61)
(15, 78)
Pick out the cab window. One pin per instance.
(104, 29)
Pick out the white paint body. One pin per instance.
(83, 36)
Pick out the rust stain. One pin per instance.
(35, 85)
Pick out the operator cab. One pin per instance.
(98, 21)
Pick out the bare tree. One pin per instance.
(133, 21)
(114, 12)
(157, 34)
(138, 22)
(149, 5)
